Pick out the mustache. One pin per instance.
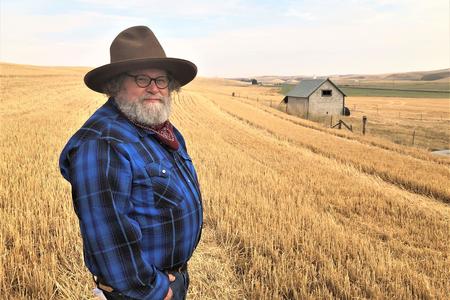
(159, 97)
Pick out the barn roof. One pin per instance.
(308, 86)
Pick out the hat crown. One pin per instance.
(136, 43)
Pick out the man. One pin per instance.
(134, 187)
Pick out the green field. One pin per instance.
(384, 92)
(397, 84)
(406, 89)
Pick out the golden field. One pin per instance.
(293, 210)
(393, 118)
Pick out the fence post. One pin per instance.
(414, 135)
(364, 120)
(331, 121)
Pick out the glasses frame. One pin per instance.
(169, 79)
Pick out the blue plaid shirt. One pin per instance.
(138, 203)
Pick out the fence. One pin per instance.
(415, 133)
(402, 115)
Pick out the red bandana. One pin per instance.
(164, 134)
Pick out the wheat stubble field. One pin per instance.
(292, 210)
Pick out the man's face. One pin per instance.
(149, 105)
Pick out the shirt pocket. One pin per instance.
(187, 162)
(165, 184)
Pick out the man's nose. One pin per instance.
(152, 88)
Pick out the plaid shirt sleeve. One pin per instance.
(101, 183)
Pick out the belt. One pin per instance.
(101, 285)
(177, 268)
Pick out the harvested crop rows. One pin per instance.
(292, 211)
(428, 178)
(292, 205)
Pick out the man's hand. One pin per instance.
(169, 292)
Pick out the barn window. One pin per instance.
(326, 93)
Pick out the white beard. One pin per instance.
(149, 114)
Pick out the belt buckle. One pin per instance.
(102, 286)
(105, 288)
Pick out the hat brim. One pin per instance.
(181, 70)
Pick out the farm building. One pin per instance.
(315, 97)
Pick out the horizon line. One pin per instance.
(239, 76)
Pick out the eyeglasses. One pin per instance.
(144, 81)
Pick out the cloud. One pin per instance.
(173, 8)
(291, 12)
(237, 38)
(61, 39)
(372, 42)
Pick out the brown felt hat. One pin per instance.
(138, 48)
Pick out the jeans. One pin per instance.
(180, 285)
(179, 288)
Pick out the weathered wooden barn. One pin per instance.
(315, 97)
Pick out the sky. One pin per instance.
(237, 38)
